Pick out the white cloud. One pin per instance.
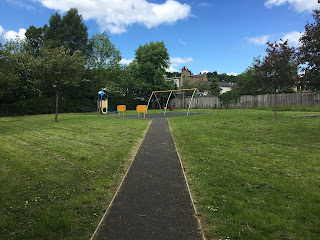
(117, 15)
(232, 74)
(172, 69)
(204, 71)
(177, 61)
(12, 35)
(297, 5)
(126, 61)
(259, 40)
(293, 38)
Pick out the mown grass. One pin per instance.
(58, 178)
(253, 177)
(297, 108)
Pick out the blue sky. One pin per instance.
(203, 35)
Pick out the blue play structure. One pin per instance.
(102, 103)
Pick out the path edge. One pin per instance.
(188, 187)
(122, 180)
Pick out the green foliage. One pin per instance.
(104, 62)
(214, 88)
(173, 74)
(249, 82)
(58, 69)
(34, 39)
(104, 53)
(278, 70)
(149, 67)
(229, 97)
(223, 77)
(8, 77)
(68, 31)
(308, 54)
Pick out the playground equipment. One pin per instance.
(142, 109)
(102, 103)
(121, 108)
(154, 93)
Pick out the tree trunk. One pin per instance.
(275, 105)
(57, 105)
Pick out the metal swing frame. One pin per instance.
(171, 91)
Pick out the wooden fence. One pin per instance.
(248, 101)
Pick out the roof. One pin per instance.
(224, 84)
(221, 84)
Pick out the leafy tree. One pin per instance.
(278, 70)
(173, 74)
(214, 88)
(309, 52)
(249, 82)
(131, 84)
(229, 97)
(151, 60)
(104, 60)
(8, 77)
(23, 80)
(59, 69)
(68, 31)
(202, 86)
(104, 53)
(212, 75)
(34, 39)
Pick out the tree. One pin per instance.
(214, 88)
(59, 69)
(278, 70)
(152, 61)
(104, 60)
(229, 97)
(68, 31)
(34, 39)
(20, 79)
(8, 77)
(104, 53)
(309, 52)
(249, 82)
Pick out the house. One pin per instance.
(199, 79)
(225, 87)
(174, 80)
(186, 76)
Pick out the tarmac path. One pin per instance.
(153, 202)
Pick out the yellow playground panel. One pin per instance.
(121, 108)
(140, 109)
(103, 106)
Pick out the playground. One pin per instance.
(244, 170)
(166, 111)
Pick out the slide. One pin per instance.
(112, 110)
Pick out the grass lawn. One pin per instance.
(253, 177)
(58, 178)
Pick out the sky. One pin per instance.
(202, 35)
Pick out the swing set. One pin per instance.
(154, 93)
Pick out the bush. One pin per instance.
(230, 97)
(46, 105)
